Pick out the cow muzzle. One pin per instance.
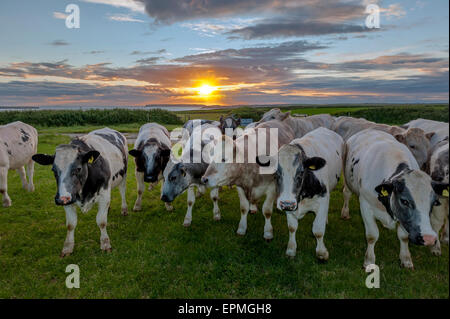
(150, 178)
(287, 205)
(63, 200)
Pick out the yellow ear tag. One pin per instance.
(445, 193)
(91, 160)
(312, 167)
(384, 192)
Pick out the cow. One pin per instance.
(245, 172)
(229, 123)
(18, 143)
(308, 170)
(273, 114)
(304, 125)
(391, 188)
(415, 139)
(185, 172)
(151, 153)
(86, 170)
(437, 167)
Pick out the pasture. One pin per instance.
(154, 256)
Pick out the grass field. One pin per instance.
(154, 256)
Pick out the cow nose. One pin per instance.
(288, 205)
(429, 240)
(205, 180)
(62, 200)
(164, 198)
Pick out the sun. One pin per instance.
(205, 90)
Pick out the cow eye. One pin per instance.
(404, 202)
(412, 146)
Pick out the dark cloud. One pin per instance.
(151, 60)
(58, 43)
(137, 52)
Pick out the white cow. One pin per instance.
(392, 189)
(308, 170)
(86, 170)
(18, 143)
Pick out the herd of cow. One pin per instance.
(400, 174)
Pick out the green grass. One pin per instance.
(154, 256)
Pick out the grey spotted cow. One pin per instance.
(18, 143)
(151, 153)
(86, 170)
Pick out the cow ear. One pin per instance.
(400, 138)
(221, 119)
(442, 189)
(285, 116)
(135, 153)
(314, 163)
(430, 135)
(43, 159)
(90, 157)
(384, 190)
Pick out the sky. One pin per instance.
(223, 52)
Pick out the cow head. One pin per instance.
(151, 159)
(223, 168)
(71, 168)
(418, 143)
(295, 177)
(409, 197)
(177, 179)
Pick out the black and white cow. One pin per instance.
(186, 172)
(437, 168)
(229, 125)
(18, 143)
(392, 189)
(151, 153)
(86, 170)
(308, 170)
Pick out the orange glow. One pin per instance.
(206, 90)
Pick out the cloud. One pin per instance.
(59, 15)
(128, 4)
(94, 52)
(151, 60)
(124, 18)
(58, 43)
(137, 52)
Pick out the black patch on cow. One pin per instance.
(25, 135)
(311, 186)
(9, 152)
(160, 158)
(120, 146)
(6, 144)
(440, 171)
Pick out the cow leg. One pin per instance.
(23, 177)
(151, 185)
(169, 206)
(123, 194)
(244, 206)
(201, 190)
(319, 226)
(437, 220)
(253, 208)
(292, 222)
(345, 212)
(372, 232)
(214, 194)
(4, 186)
(267, 212)
(141, 189)
(445, 232)
(102, 221)
(190, 202)
(71, 224)
(405, 256)
(30, 172)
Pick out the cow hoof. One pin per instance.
(407, 264)
(290, 253)
(322, 255)
(169, 208)
(137, 208)
(30, 188)
(436, 251)
(7, 203)
(217, 217)
(268, 236)
(241, 232)
(124, 211)
(253, 212)
(187, 223)
(65, 254)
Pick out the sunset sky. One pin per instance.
(227, 52)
